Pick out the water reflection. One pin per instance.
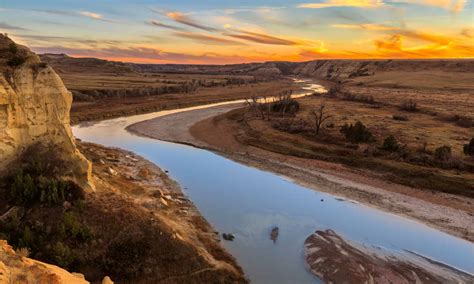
(248, 202)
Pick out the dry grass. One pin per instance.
(418, 135)
(109, 108)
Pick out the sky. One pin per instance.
(227, 32)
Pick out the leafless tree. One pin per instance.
(320, 116)
(255, 106)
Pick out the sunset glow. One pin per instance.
(225, 32)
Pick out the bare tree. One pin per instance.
(320, 116)
(255, 106)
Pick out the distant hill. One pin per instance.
(324, 69)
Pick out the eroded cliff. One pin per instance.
(34, 109)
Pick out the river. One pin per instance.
(249, 202)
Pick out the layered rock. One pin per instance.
(15, 268)
(34, 109)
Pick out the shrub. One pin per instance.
(443, 153)
(356, 133)
(334, 90)
(124, 257)
(70, 227)
(462, 121)
(38, 180)
(359, 98)
(469, 148)
(409, 105)
(13, 48)
(28, 190)
(285, 104)
(390, 144)
(400, 117)
(22, 252)
(16, 61)
(62, 254)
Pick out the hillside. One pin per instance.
(119, 216)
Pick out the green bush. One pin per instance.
(443, 153)
(356, 133)
(70, 227)
(13, 48)
(28, 190)
(390, 144)
(39, 180)
(469, 148)
(62, 254)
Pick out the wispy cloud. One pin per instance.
(343, 3)
(144, 54)
(162, 25)
(371, 27)
(451, 5)
(5, 26)
(188, 21)
(87, 14)
(468, 32)
(260, 38)
(208, 39)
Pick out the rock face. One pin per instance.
(34, 108)
(17, 269)
(340, 70)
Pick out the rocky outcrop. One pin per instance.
(34, 109)
(334, 260)
(340, 70)
(15, 268)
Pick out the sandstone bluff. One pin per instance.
(34, 108)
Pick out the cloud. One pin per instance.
(398, 31)
(370, 27)
(469, 33)
(145, 54)
(87, 14)
(55, 12)
(186, 20)
(428, 37)
(454, 6)
(96, 16)
(343, 3)
(208, 39)
(161, 25)
(261, 38)
(5, 26)
(437, 46)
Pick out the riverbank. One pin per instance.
(175, 243)
(446, 212)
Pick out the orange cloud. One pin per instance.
(261, 38)
(344, 3)
(437, 46)
(208, 39)
(185, 20)
(469, 33)
(371, 27)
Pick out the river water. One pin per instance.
(249, 202)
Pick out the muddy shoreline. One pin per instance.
(202, 129)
